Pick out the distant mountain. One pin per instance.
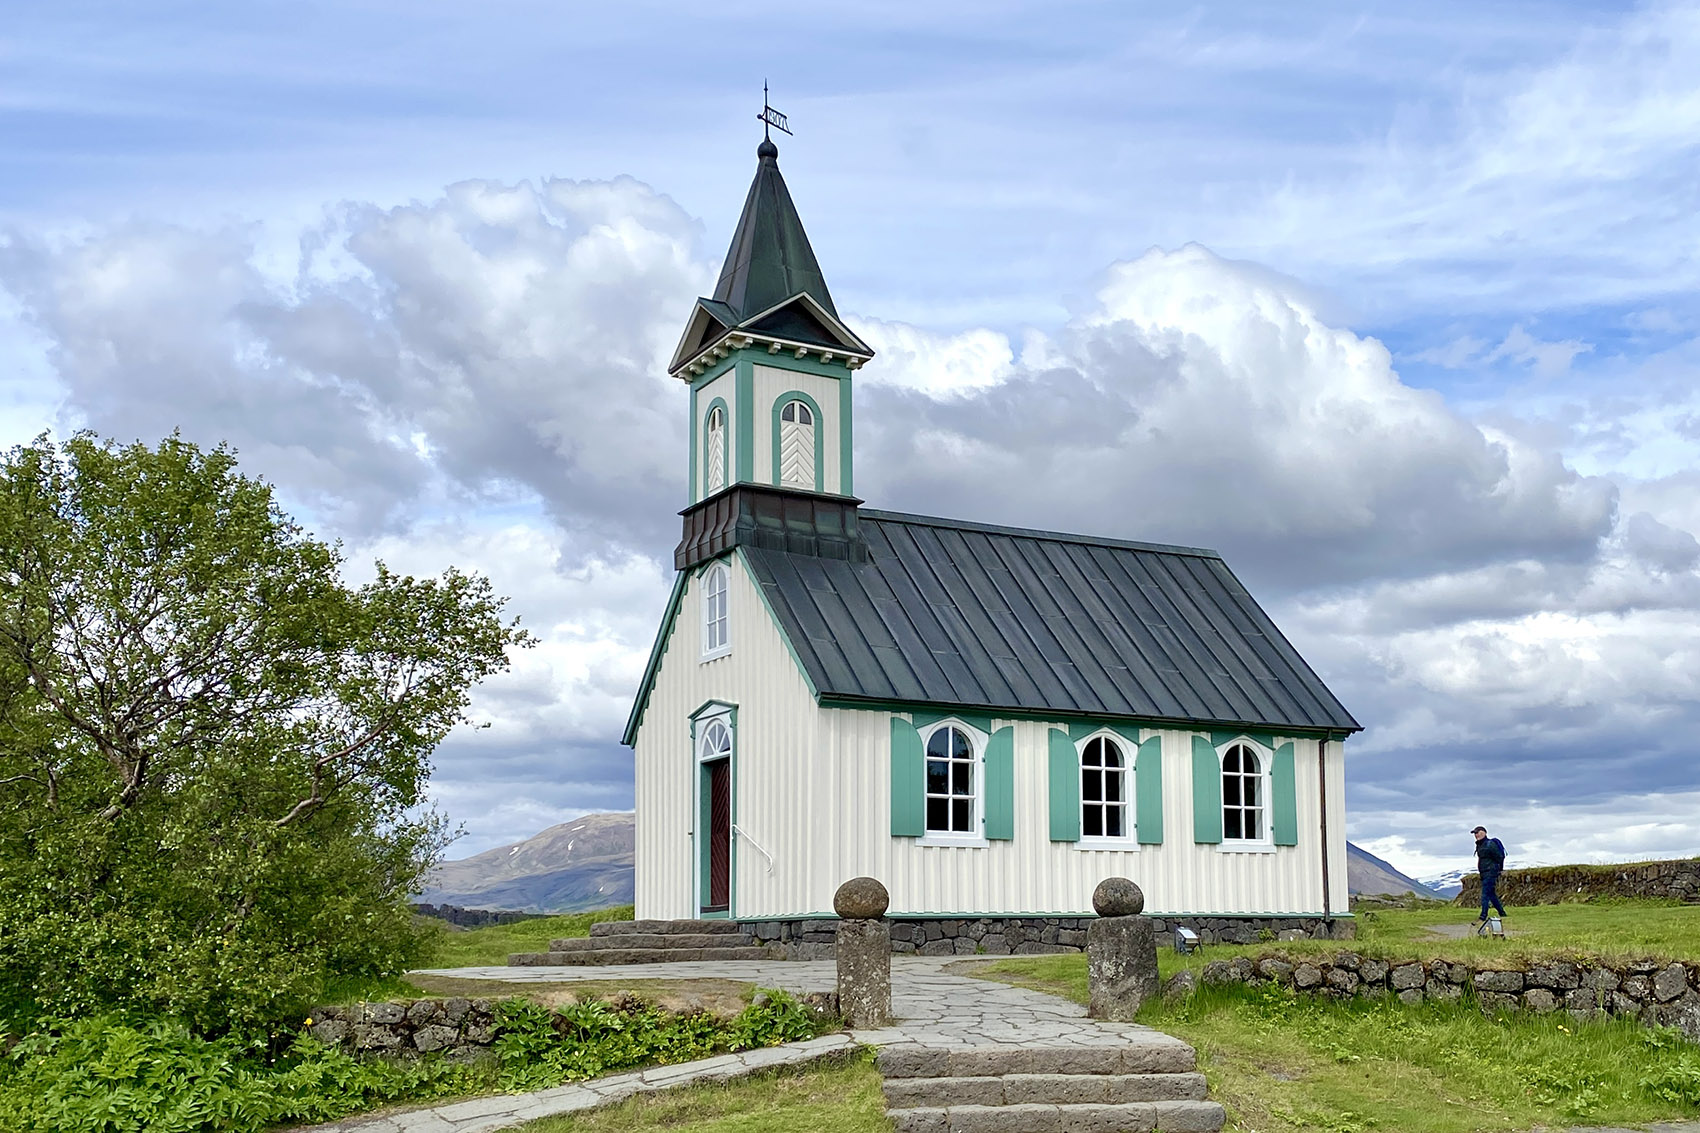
(1368, 874)
(574, 867)
(1450, 884)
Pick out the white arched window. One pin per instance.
(797, 446)
(1245, 795)
(953, 783)
(1103, 790)
(716, 620)
(714, 451)
(716, 741)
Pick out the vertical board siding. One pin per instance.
(814, 790)
(768, 385)
(1034, 875)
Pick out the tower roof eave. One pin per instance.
(838, 339)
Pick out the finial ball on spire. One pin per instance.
(767, 149)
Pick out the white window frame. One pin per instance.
(1265, 758)
(722, 573)
(712, 469)
(1130, 816)
(976, 835)
(813, 423)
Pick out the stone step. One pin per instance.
(1136, 1117)
(1148, 1053)
(615, 955)
(1043, 1089)
(647, 940)
(665, 928)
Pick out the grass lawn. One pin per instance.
(841, 1098)
(477, 948)
(1280, 1062)
(1611, 930)
(482, 947)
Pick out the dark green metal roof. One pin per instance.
(770, 259)
(973, 616)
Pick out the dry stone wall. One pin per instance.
(457, 1028)
(1553, 885)
(1657, 993)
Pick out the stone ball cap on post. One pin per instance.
(1118, 897)
(861, 899)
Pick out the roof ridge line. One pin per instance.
(1035, 533)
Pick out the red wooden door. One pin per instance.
(719, 894)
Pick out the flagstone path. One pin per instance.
(934, 1007)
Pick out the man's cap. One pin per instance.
(1479, 830)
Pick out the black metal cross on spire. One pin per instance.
(769, 116)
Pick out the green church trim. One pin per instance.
(999, 809)
(820, 434)
(846, 478)
(1064, 783)
(697, 425)
(908, 781)
(1206, 793)
(1148, 793)
(744, 393)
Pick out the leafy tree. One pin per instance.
(213, 750)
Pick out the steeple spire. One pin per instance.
(771, 289)
(770, 259)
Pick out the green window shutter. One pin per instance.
(1065, 788)
(1148, 792)
(1206, 792)
(1000, 786)
(1285, 804)
(908, 781)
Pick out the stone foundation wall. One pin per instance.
(1029, 936)
(1657, 993)
(459, 1028)
(1552, 885)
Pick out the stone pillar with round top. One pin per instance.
(864, 953)
(1121, 952)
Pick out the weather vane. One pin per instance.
(769, 116)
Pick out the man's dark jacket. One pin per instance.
(1490, 857)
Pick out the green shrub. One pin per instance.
(540, 1048)
(114, 1075)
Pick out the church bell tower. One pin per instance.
(768, 361)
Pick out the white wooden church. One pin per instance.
(990, 720)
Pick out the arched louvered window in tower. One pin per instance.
(797, 446)
(714, 451)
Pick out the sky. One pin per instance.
(1397, 309)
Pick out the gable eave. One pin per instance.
(663, 636)
(701, 314)
(847, 338)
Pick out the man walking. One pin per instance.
(1490, 859)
